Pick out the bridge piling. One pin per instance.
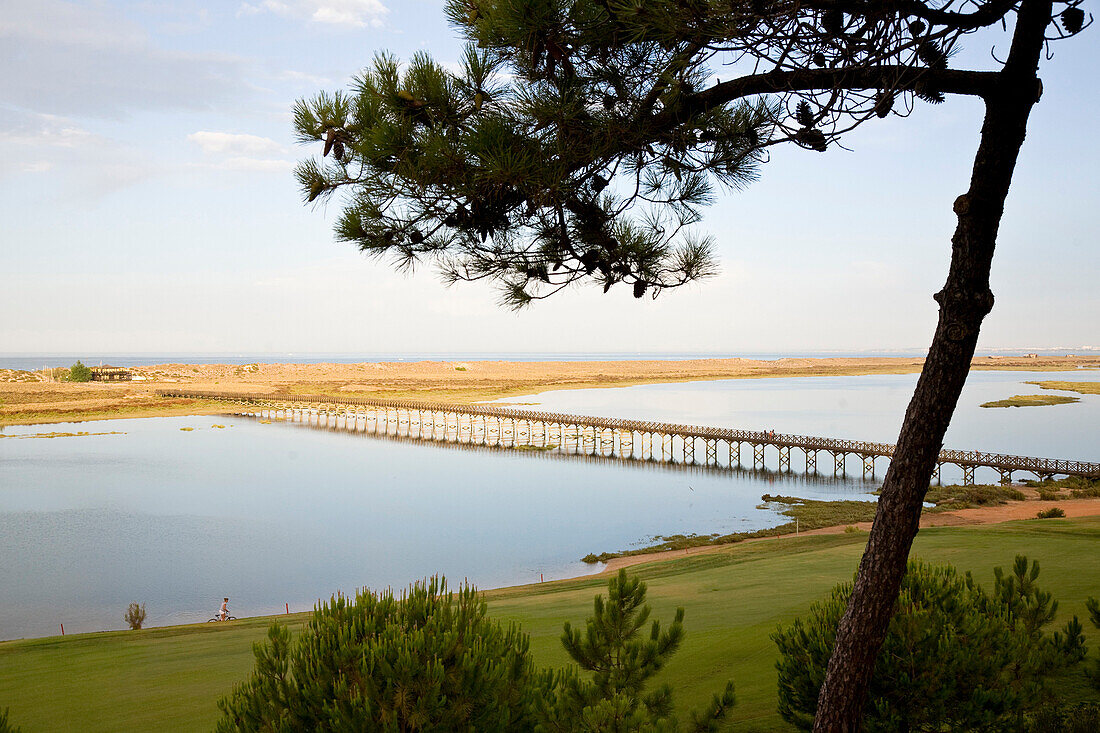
(501, 426)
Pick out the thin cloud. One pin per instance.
(241, 152)
(350, 13)
(303, 78)
(85, 164)
(256, 165)
(241, 144)
(64, 58)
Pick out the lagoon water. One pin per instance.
(285, 513)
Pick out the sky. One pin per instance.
(147, 204)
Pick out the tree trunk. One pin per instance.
(964, 302)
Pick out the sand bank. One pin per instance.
(26, 398)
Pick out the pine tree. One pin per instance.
(955, 657)
(582, 139)
(620, 659)
(433, 660)
(79, 373)
(430, 660)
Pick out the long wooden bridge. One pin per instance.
(497, 425)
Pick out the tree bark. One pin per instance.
(964, 302)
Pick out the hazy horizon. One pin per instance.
(149, 206)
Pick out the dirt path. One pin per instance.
(983, 515)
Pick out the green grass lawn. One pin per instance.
(170, 678)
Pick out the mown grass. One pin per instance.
(1032, 400)
(170, 678)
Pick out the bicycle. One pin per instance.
(219, 618)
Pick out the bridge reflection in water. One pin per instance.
(360, 426)
(497, 426)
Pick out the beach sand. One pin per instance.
(26, 398)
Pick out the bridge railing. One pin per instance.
(1002, 461)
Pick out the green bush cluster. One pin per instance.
(965, 497)
(1052, 513)
(433, 660)
(79, 373)
(956, 657)
(1079, 487)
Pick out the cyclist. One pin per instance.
(223, 614)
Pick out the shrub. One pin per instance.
(851, 529)
(1045, 495)
(1090, 491)
(956, 657)
(135, 615)
(79, 373)
(1079, 487)
(434, 661)
(431, 660)
(963, 497)
(1052, 513)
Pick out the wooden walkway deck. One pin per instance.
(614, 437)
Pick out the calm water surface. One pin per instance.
(279, 513)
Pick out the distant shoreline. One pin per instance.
(32, 361)
(1009, 512)
(27, 398)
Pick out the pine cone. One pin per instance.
(932, 55)
(884, 103)
(1073, 20)
(833, 22)
(804, 114)
(811, 138)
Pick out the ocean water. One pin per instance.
(32, 362)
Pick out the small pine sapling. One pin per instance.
(5, 723)
(1093, 673)
(621, 659)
